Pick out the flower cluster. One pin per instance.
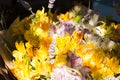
(66, 49)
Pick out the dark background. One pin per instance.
(11, 9)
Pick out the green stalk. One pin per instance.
(49, 11)
(89, 4)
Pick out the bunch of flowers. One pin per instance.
(75, 47)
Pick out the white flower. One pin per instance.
(99, 31)
(111, 78)
(64, 73)
(51, 4)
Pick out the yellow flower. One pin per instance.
(32, 58)
(42, 20)
(106, 72)
(21, 63)
(42, 55)
(117, 26)
(20, 52)
(75, 40)
(65, 17)
(62, 44)
(21, 69)
(47, 68)
(60, 60)
(77, 36)
(39, 12)
(20, 47)
(45, 42)
(33, 39)
(37, 65)
(96, 61)
(30, 51)
(41, 67)
(113, 64)
(101, 65)
(85, 49)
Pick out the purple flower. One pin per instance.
(62, 28)
(75, 61)
(51, 51)
(66, 27)
(69, 27)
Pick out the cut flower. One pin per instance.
(67, 49)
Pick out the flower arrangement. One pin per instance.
(75, 46)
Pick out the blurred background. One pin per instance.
(11, 9)
(110, 8)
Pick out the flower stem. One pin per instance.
(89, 4)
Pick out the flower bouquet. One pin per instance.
(77, 45)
